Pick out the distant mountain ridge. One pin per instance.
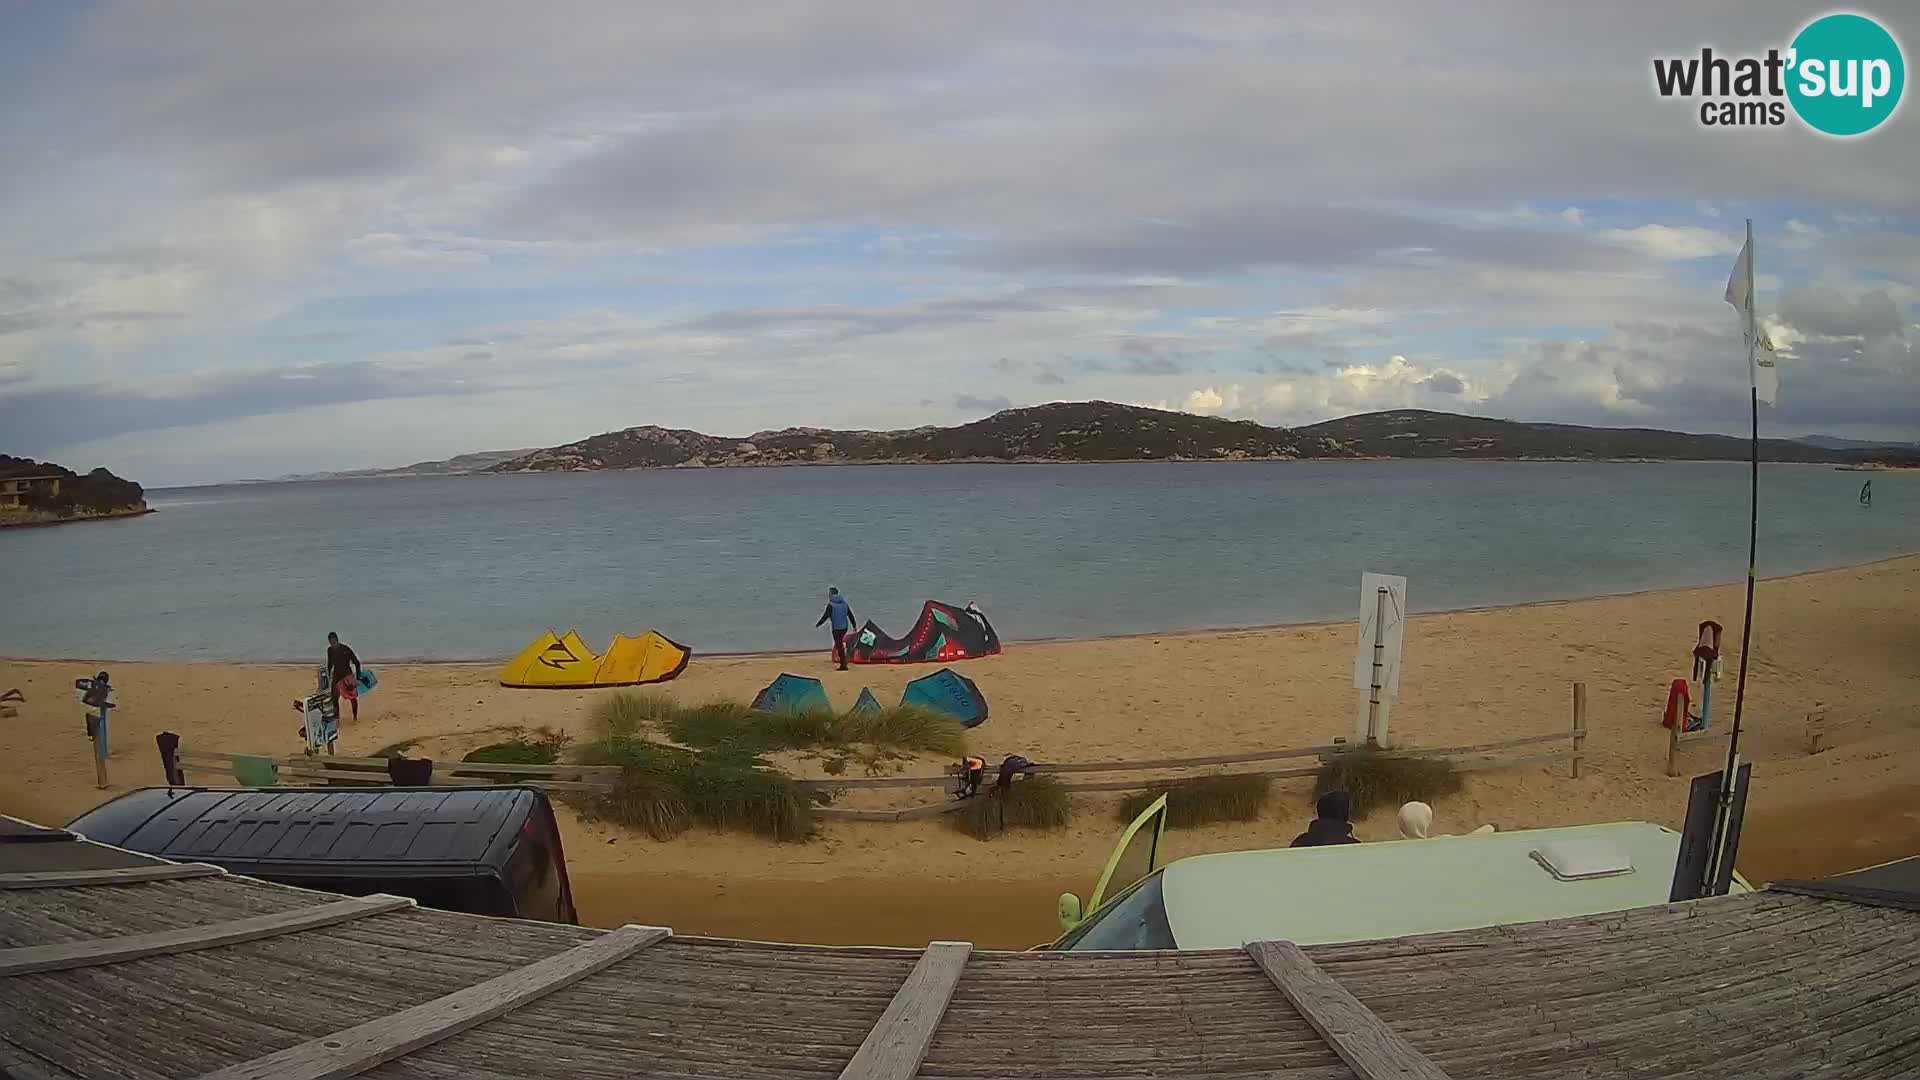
(1834, 442)
(1091, 431)
(458, 465)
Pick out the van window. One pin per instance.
(1137, 919)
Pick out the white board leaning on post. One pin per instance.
(1383, 625)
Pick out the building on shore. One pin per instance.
(16, 490)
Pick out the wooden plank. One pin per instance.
(76, 954)
(119, 875)
(367, 1046)
(347, 764)
(1242, 757)
(1156, 785)
(1451, 751)
(897, 1045)
(1483, 764)
(1369, 1047)
(369, 779)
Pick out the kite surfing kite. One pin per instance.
(947, 691)
(567, 663)
(790, 693)
(944, 633)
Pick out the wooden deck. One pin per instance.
(257, 980)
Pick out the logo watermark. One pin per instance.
(1841, 75)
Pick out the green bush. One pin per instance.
(910, 727)
(627, 713)
(1036, 802)
(1204, 800)
(541, 746)
(511, 753)
(1376, 779)
(645, 801)
(662, 785)
(396, 749)
(733, 727)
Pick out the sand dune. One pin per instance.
(1845, 640)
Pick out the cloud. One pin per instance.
(1828, 313)
(719, 222)
(1318, 238)
(40, 419)
(1674, 242)
(983, 405)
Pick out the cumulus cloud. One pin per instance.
(1674, 242)
(1132, 205)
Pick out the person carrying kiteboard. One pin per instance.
(841, 614)
(343, 671)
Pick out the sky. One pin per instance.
(251, 239)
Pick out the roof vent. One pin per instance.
(1582, 860)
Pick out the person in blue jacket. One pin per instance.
(841, 614)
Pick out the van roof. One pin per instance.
(339, 831)
(1357, 892)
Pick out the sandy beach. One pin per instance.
(1842, 640)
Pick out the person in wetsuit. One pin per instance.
(343, 674)
(841, 614)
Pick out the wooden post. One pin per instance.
(1673, 746)
(1816, 735)
(1579, 725)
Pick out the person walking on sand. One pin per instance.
(343, 672)
(841, 614)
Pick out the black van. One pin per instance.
(483, 850)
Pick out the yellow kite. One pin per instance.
(566, 662)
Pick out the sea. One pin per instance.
(739, 560)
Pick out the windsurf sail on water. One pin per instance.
(1866, 493)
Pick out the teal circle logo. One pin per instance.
(1845, 74)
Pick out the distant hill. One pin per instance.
(1418, 433)
(1833, 442)
(478, 461)
(1070, 431)
(54, 494)
(1103, 431)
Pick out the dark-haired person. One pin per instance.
(343, 674)
(1331, 824)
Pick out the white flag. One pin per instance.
(1760, 370)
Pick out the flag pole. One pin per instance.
(1728, 777)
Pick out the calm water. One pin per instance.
(738, 559)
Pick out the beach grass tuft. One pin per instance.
(1036, 802)
(1204, 800)
(1375, 779)
(541, 746)
(396, 749)
(714, 774)
(645, 801)
(627, 713)
(664, 789)
(731, 727)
